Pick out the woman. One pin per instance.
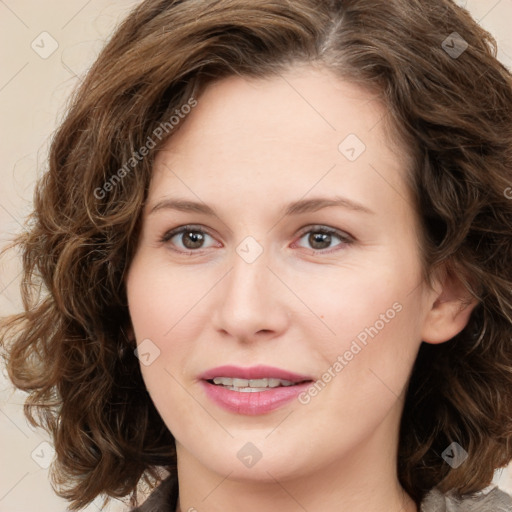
(275, 239)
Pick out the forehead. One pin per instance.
(287, 129)
(305, 103)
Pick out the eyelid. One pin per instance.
(185, 227)
(326, 229)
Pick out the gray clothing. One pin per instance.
(495, 500)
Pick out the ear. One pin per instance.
(129, 333)
(450, 308)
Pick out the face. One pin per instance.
(300, 254)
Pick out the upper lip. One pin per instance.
(253, 372)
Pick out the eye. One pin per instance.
(321, 237)
(190, 237)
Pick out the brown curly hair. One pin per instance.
(68, 349)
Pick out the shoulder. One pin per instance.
(491, 499)
(163, 499)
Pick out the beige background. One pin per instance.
(33, 89)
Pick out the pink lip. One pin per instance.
(259, 402)
(254, 372)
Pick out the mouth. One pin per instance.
(252, 391)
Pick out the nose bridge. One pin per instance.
(249, 300)
(248, 282)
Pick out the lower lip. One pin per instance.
(253, 403)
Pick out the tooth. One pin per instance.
(273, 383)
(258, 383)
(225, 381)
(286, 383)
(250, 390)
(240, 383)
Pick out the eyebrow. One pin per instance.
(294, 208)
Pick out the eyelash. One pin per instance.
(345, 238)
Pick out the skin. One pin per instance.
(248, 149)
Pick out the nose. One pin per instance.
(251, 302)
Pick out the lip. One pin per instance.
(253, 372)
(253, 403)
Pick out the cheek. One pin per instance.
(354, 300)
(164, 314)
(159, 297)
(375, 323)
(155, 311)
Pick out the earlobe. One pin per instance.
(130, 333)
(449, 312)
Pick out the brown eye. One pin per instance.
(192, 239)
(319, 241)
(186, 238)
(321, 238)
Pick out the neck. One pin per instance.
(282, 497)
